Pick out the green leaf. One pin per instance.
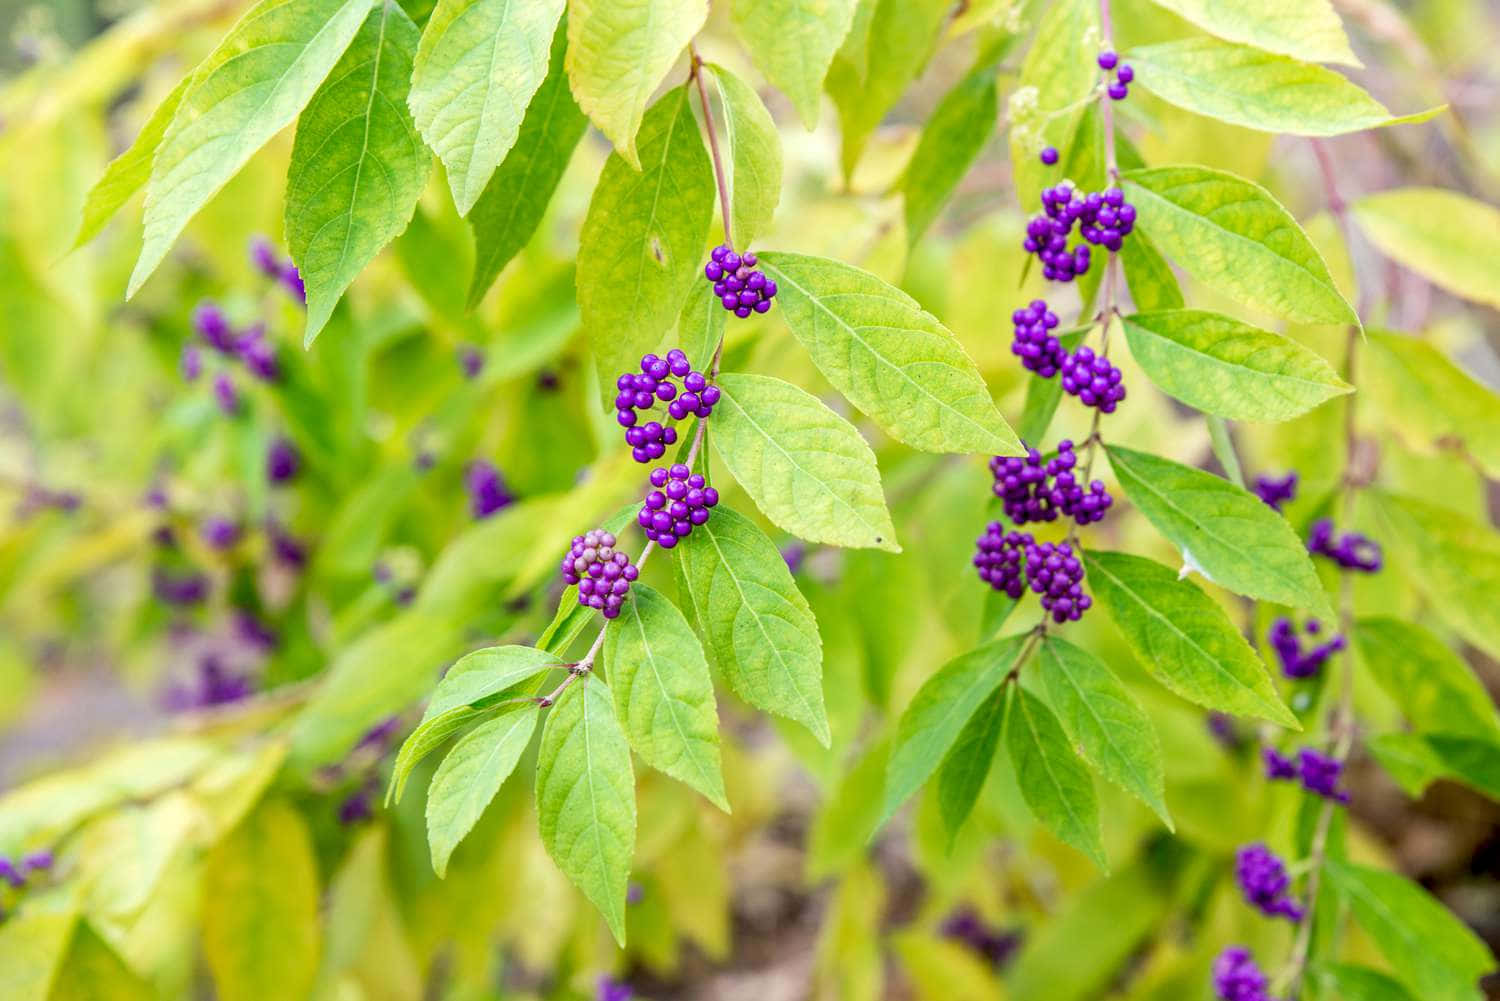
(1426, 396)
(476, 70)
(128, 172)
(1233, 236)
(249, 88)
(935, 716)
(1360, 983)
(469, 777)
(585, 797)
(1225, 532)
(643, 236)
(884, 52)
(514, 202)
(477, 682)
(1183, 637)
(664, 695)
(1105, 723)
(1059, 77)
(759, 629)
(1435, 688)
(1224, 367)
(958, 130)
(792, 42)
(1303, 29)
(618, 52)
(1442, 235)
(1416, 761)
(754, 158)
(358, 166)
(849, 814)
(260, 908)
(892, 359)
(1153, 286)
(701, 326)
(1433, 953)
(33, 943)
(93, 971)
(1258, 89)
(805, 466)
(1453, 560)
(961, 776)
(1053, 781)
(480, 677)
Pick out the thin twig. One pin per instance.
(696, 72)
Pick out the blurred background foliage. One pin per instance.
(206, 838)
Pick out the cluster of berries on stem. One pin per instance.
(1296, 662)
(602, 573)
(1319, 773)
(740, 286)
(681, 499)
(1264, 881)
(1236, 977)
(1104, 219)
(1051, 569)
(1034, 492)
(657, 382)
(1352, 550)
(1120, 89)
(1276, 490)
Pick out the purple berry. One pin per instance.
(1237, 978)
(1107, 60)
(1264, 881)
(1049, 155)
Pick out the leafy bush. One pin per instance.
(359, 522)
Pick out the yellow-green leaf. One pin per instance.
(476, 70)
(618, 53)
(1445, 236)
(1304, 29)
(792, 42)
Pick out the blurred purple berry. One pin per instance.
(282, 461)
(263, 256)
(1276, 492)
(994, 945)
(226, 395)
(1352, 550)
(1279, 767)
(610, 989)
(291, 280)
(1237, 978)
(210, 323)
(219, 533)
(259, 354)
(486, 488)
(191, 365)
(39, 861)
(470, 361)
(1295, 661)
(1321, 773)
(189, 588)
(1263, 880)
(10, 874)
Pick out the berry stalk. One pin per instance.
(696, 73)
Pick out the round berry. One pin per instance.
(1049, 155)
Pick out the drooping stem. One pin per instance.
(696, 72)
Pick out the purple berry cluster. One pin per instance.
(681, 499)
(1264, 882)
(741, 287)
(1033, 341)
(486, 489)
(1237, 978)
(1051, 569)
(601, 572)
(1295, 661)
(1104, 218)
(1319, 773)
(1033, 492)
(284, 273)
(1276, 491)
(995, 945)
(1120, 88)
(656, 382)
(1352, 550)
(1094, 379)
